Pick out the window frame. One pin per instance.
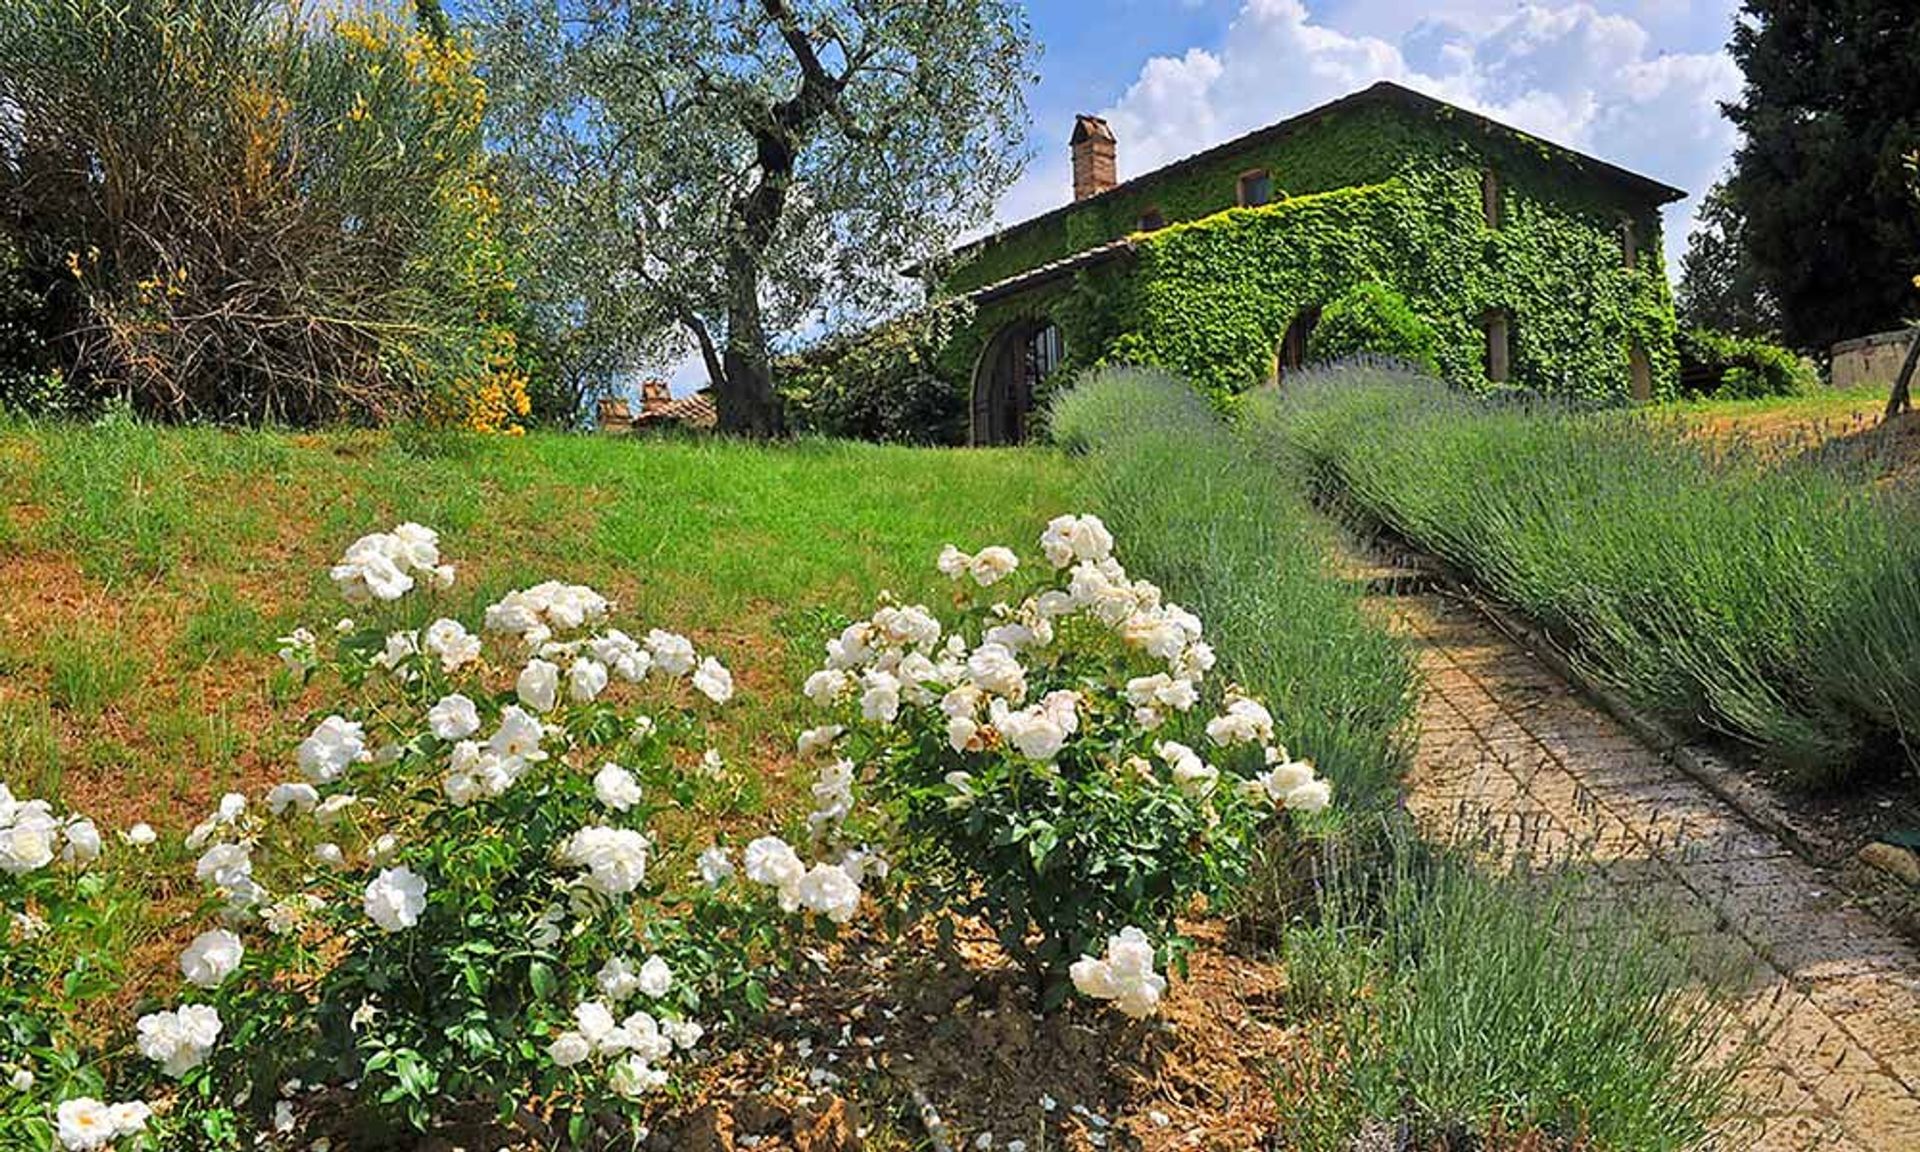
(1240, 187)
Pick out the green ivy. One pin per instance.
(1374, 193)
(1372, 318)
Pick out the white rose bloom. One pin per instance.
(1244, 721)
(21, 1080)
(454, 718)
(452, 643)
(861, 863)
(826, 686)
(419, 546)
(297, 795)
(1071, 538)
(211, 958)
(953, 563)
(814, 741)
(640, 1034)
(1284, 777)
(129, 1117)
(634, 1077)
(961, 731)
(336, 743)
(519, 735)
(617, 979)
(1191, 775)
(83, 842)
(656, 979)
(594, 1021)
(568, 1048)
(1312, 796)
(395, 899)
(142, 835)
(713, 765)
(832, 794)
(586, 679)
(225, 866)
(371, 570)
(992, 564)
(615, 858)
(84, 1124)
(400, 647)
(330, 810)
(179, 1040)
(715, 866)
(851, 648)
(994, 668)
(962, 785)
(828, 890)
(28, 844)
(714, 681)
(539, 685)
(616, 787)
(672, 653)
(773, 862)
(1041, 731)
(329, 854)
(381, 852)
(683, 1034)
(880, 696)
(462, 788)
(1125, 975)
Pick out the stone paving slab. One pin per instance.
(1833, 995)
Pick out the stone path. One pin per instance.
(1834, 996)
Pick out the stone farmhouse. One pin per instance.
(1535, 265)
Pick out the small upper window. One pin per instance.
(1256, 188)
(1490, 198)
(1629, 244)
(1152, 220)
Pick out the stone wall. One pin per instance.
(1869, 361)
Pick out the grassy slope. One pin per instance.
(150, 570)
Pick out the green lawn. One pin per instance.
(151, 570)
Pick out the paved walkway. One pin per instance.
(1834, 995)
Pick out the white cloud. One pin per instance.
(1571, 73)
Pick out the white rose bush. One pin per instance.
(480, 891)
(59, 915)
(464, 901)
(1052, 758)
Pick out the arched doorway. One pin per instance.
(1012, 367)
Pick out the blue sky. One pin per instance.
(1636, 82)
(1633, 81)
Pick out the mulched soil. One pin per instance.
(884, 1029)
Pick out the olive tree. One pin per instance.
(720, 175)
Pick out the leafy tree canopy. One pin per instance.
(1720, 289)
(1831, 107)
(721, 174)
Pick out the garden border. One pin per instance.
(1711, 771)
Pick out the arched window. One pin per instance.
(1016, 363)
(1152, 220)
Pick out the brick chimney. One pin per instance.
(654, 395)
(1094, 169)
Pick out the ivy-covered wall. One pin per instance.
(1382, 192)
